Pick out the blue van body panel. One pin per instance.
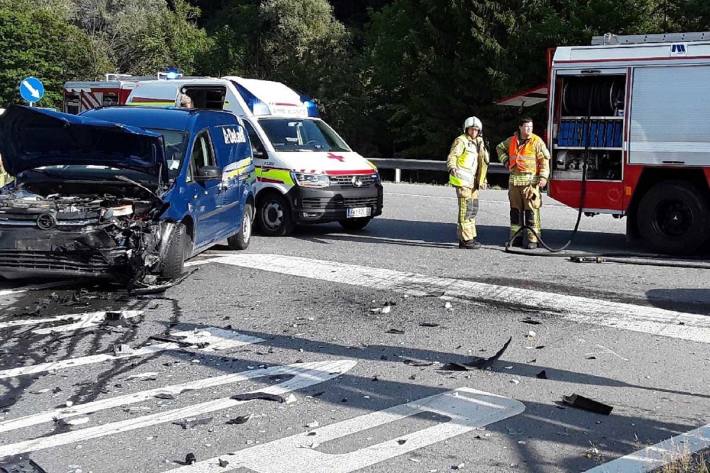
(215, 207)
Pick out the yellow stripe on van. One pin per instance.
(275, 175)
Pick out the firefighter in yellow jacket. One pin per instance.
(528, 160)
(468, 164)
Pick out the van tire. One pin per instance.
(275, 217)
(673, 217)
(179, 247)
(241, 239)
(355, 224)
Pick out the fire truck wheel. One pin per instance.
(673, 217)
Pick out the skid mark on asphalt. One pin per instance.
(466, 409)
(304, 375)
(213, 338)
(619, 315)
(663, 453)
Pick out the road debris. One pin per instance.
(239, 420)
(531, 334)
(259, 395)
(21, 466)
(192, 422)
(222, 463)
(190, 459)
(122, 349)
(484, 363)
(386, 309)
(458, 467)
(414, 362)
(541, 375)
(428, 324)
(165, 395)
(448, 306)
(147, 376)
(312, 425)
(395, 331)
(581, 402)
(528, 320)
(402, 441)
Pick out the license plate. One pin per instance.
(358, 212)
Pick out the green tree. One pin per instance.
(36, 41)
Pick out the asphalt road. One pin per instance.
(360, 329)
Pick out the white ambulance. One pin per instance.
(306, 173)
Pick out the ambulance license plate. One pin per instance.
(359, 212)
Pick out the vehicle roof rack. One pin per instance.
(612, 39)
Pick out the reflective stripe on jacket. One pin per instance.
(469, 159)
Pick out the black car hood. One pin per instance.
(31, 138)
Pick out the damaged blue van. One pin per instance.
(122, 192)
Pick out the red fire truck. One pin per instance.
(629, 132)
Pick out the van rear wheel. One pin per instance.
(673, 217)
(240, 240)
(275, 217)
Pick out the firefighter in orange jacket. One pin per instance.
(468, 164)
(528, 160)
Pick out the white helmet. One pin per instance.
(472, 122)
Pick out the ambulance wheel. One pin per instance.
(240, 240)
(673, 217)
(179, 245)
(355, 224)
(275, 217)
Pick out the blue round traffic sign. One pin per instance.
(31, 89)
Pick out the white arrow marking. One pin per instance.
(654, 457)
(637, 318)
(467, 409)
(83, 320)
(304, 375)
(217, 339)
(34, 92)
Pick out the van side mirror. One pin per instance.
(258, 154)
(208, 173)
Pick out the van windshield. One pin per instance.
(301, 134)
(174, 149)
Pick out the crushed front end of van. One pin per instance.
(85, 201)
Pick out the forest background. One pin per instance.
(396, 78)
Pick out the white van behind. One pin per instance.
(306, 173)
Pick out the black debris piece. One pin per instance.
(540, 347)
(193, 422)
(541, 375)
(395, 331)
(259, 395)
(222, 463)
(239, 420)
(413, 362)
(169, 396)
(428, 324)
(311, 434)
(455, 367)
(435, 294)
(113, 315)
(591, 357)
(164, 338)
(122, 349)
(21, 466)
(581, 402)
(146, 289)
(190, 459)
(402, 441)
(483, 363)
(318, 394)
(528, 320)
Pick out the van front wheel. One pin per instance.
(275, 217)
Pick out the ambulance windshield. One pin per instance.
(301, 134)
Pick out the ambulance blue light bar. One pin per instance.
(311, 106)
(256, 106)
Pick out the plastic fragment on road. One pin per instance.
(260, 396)
(190, 459)
(21, 466)
(395, 331)
(70, 422)
(239, 420)
(488, 362)
(581, 402)
(541, 375)
(222, 463)
(528, 320)
(192, 422)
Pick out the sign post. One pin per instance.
(31, 90)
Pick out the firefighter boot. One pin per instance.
(472, 244)
(516, 222)
(530, 238)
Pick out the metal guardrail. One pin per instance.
(424, 165)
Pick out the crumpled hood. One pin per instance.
(31, 138)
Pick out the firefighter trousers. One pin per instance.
(468, 209)
(523, 212)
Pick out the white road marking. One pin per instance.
(175, 389)
(467, 409)
(654, 457)
(83, 320)
(304, 375)
(216, 338)
(619, 315)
